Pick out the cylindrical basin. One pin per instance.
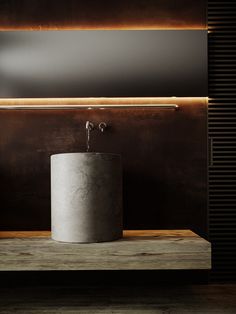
(86, 197)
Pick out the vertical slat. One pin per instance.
(222, 134)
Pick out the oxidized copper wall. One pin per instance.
(164, 152)
(64, 14)
(164, 158)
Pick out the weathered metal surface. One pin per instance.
(164, 156)
(69, 14)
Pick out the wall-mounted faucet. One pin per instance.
(89, 126)
(102, 126)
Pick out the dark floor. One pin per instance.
(165, 299)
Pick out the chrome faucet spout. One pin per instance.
(89, 126)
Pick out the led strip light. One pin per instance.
(87, 106)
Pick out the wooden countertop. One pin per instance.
(137, 250)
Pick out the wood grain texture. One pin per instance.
(136, 250)
(126, 233)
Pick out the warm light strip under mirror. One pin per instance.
(100, 102)
(101, 106)
(106, 28)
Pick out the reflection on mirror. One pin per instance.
(103, 63)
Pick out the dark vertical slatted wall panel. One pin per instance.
(222, 138)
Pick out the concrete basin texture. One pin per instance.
(86, 197)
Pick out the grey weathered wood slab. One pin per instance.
(138, 249)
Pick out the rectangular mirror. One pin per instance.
(103, 63)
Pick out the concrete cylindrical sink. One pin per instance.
(86, 197)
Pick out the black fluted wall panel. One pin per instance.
(222, 138)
